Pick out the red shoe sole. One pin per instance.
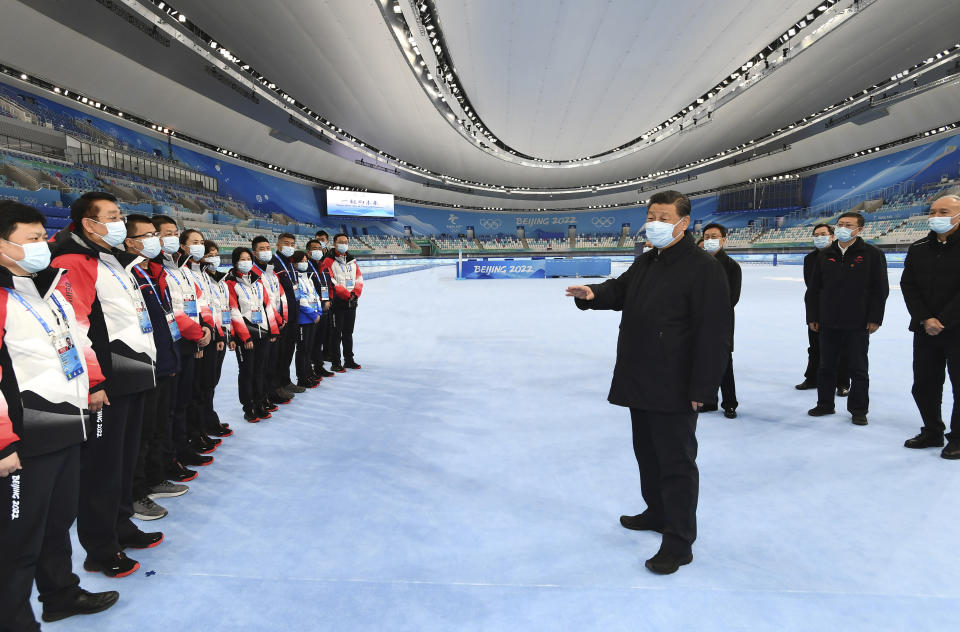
(133, 570)
(188, 479)
(206, 464)
(149, 546)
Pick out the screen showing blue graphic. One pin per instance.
(359, 204)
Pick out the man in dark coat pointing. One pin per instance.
(675, 339)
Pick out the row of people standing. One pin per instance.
(109, 362)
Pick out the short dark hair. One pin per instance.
(860, 220)
(13, 213)
(133, 220)
(680, 201)
(209, 244)
(322, 232)
(821, 225)
(286, 236)
(185, 235)
(720, 227)
(239, 250)
(160, 220)
(259, 239)
(298, 256)
(312, 241)
(339, 235)
(84, 205)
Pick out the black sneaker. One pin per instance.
(322, 372)
(338, 368)
(250, 414)
(926, 439)
(220, 431)
(843, 391)
(83, 602)
(294, 388)
(350, 364)
(816, 411)
(192, 458)
(305, 384)
(730, 413)
(142, 541)
(177, 473)
(641, 522)
(859, 419)
(201, 445)
(119, 566)
(805, 385)
(262, 411)
(666, 563)
(952, 451)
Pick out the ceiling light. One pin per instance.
(182, 18)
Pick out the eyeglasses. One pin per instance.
(145, 235)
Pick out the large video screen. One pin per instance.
(359, 204)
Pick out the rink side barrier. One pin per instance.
(375, 274)
(894, 259)
(533, 268)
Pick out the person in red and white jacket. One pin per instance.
(211, 365)
(263, 264)
(347, 287)
(111, 310)
(171, 270)
(44, 399)
(255, 330)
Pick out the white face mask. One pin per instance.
(711, 245)
(303, 266)
(660, 233)
(116, 232)
(342, 248)
(213, 261)
(316, 255)
(323, 243)
(171, 244)
(287, 251)
(245, 266)
(821, 241)
(150, 247)
(265, 255)
(843, 233)
(36, 256)
(196, 251)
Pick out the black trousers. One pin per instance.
(154, 434)
(665, 445)
(286, 345)
(305, 342)
(728, 389)
(37, 506)
(344, 319)
(201, 416)
(320, 340)
(182, 398)
(109, 458)
(835, 344)
(252, 371)
(813, 362)
(932, 357)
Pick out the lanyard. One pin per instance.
(247, 292)
(346, 269)
(214, 287)
(37, 315)
(172, 274)
(134, 294)
(146, 277)
(305, 285)
(285, 269)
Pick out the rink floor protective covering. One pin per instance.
(470, 477)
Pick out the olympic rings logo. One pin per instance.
(490, 224)
(603, 222)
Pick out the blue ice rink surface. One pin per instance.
(471, 475)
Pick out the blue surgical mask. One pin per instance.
(151, 247)
(36, 256)
(660, 233)
(171, 244)
(711, 245)
(821, 241)
(213, 262)
(342, 248)
(941, 225)
(245, 266)
(287, 251)
(196, 251)
(843, 233)
(265, 255)
(116, 232)
(303, 266)
(316, 255)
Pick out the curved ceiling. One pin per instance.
(339, 58)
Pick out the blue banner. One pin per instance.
(509, 269)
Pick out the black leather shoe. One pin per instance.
(119, 566)
(859, 419)
(666, 563)
(192, 458)
(142, 540)
(816, 411)
(842, 391)
(952, 451)
(925, 439)
(82, 603)
(805, 385)
(730, 413)
(641, 522)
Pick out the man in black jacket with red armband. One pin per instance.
(845, 303)
(931, 289)
(674, 345)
